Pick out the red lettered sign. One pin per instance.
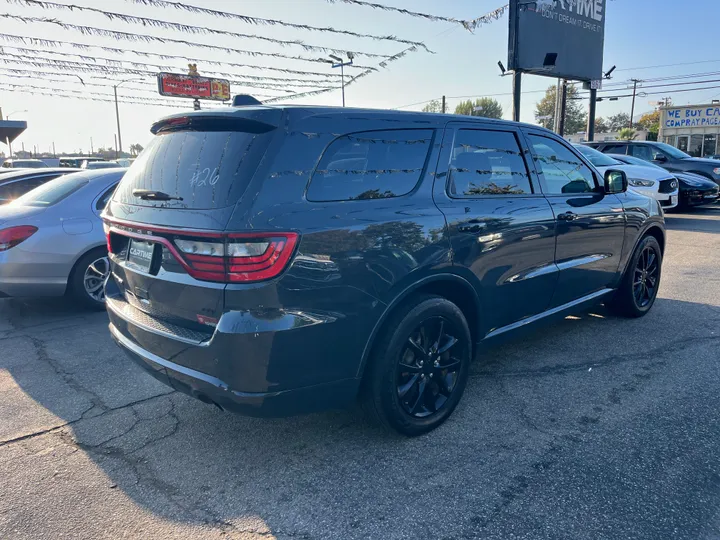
(193, 86)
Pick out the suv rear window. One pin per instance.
(208, 169)
(371, 165)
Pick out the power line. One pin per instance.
(26, 40)
(269, 22)
(187, 28)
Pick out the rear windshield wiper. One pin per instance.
(150, 195)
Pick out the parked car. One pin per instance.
(280, 260)
(648, 180)
(24, 164)
(91, 165)
(76, 162)
(18, 182)
(52, 242)
(668, 157)
(693, 188)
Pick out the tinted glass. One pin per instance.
(208, 169)
(563, 171)
(615, 149)
(596, 158)
(10, 192)
(709, 145)
(695, 148)
(643, 151)
(487, 163)
(682, 143)
(53, 192)
(371, 165)
(102, 201)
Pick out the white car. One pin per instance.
(653, 182)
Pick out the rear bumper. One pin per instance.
(210, 389)
(20, 286)
(29, 274)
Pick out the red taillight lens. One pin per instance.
(237, 257)
(106, 228)
(12, 236)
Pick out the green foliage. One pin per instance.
(618, 121)
(435, 106)
(490, 108)
(627, 134)
(575, 115)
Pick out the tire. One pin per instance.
(418, 394)
(81, 270)
(626, 301)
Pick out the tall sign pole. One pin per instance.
(512, 58)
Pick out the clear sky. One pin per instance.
(639, 34)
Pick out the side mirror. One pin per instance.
(659, 157)
(615, 181)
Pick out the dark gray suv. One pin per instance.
(666, 156)
(280, 260)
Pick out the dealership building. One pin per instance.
(694, 129)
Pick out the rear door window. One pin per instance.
(206, 169)
(486, 163)
(642, 151)
(615, 149)
(13, 190)
(371, 165)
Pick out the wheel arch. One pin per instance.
(73, 269)
(453, 287)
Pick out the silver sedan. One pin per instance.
(52, 240)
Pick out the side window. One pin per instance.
(642, 151)
(563, 171)
(486, 163)
(371, 165)
(615, 149)
(10, 192)
(102, 201)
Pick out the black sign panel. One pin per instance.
(558, 38)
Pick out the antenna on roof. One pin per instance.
(245, 99)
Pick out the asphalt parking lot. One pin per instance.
(595, 427)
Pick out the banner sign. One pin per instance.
(193, 86)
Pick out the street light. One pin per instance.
(117, 114)
(336, 62)
(8, 139)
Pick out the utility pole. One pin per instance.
(54, 153)
(563, 107)
(116, 146)
(336, 62)
(632, 109)
(443, 105)
(117, 112)
(92, 150)
(558, 98)
(591, 115)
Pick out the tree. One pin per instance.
(650, 121)
(435, 106)
(618, 121)
(575, 115)
(601, 125)
(488, 108)
(135, 149)
(627, 134)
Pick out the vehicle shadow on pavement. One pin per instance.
(332, 475)
(702, 219)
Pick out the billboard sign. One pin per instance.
(558, 38)
(193, 86)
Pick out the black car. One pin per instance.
(666, 156)
(693, 190)
(17, 183)
(280, 260)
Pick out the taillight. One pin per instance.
(106, 228)
(12, 236)
(237, 257)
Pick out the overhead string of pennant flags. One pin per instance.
(66, 67)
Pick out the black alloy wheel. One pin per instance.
(419, 366)
(427, 371)
(646, 277)
(639, 287)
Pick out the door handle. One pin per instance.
(567, 216)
